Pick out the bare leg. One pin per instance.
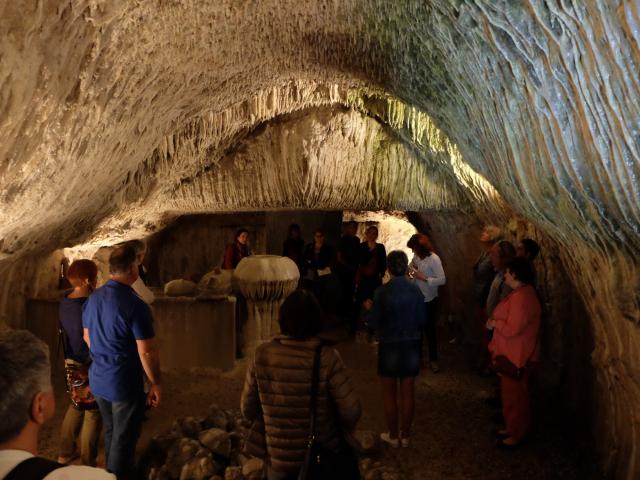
(407, 404)
(389, 397)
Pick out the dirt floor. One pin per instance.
(452, 429)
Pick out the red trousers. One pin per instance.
(516, 408)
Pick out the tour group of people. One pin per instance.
(343, 278)
(508, 307)
(297, 391)
(109, 346)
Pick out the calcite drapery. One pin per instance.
(265, 281)
(118, 113)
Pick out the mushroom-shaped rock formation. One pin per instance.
(265, 281)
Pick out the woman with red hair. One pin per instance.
(85, 424)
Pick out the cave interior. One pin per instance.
(178, 122)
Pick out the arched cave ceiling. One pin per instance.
(111, 106)
(116, 115)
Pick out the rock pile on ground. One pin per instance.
(210, 448)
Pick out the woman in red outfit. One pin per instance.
(516, 320)
(237, 250)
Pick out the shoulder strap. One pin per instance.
(315, 380)
(34, 468)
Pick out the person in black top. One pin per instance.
(346, 267)
(293, 246)
(317, 264)
(79, 426)
(371, 268)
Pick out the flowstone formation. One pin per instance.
(118, 116)
(264, 281)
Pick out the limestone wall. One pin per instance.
(195, 245)
(118, 116)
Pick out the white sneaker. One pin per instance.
(394, 442)
(405, 442)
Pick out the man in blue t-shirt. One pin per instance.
(118, 328)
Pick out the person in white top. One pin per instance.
(26, 403)
(427, 272)
(139, 286)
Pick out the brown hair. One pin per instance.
(300, 315)
(81, 270)
(421, 244)
(522, 270)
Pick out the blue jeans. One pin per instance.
(122, 426)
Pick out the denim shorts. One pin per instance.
(399, 359)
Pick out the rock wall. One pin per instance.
(118, 116)
(194, 245)
(278, 226)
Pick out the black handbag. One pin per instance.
(321, 463)
(504, 366)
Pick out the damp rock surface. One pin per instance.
(118, 116)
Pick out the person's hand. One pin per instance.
(491, 324)
(154, 395)
(419, 275)
(367, 304)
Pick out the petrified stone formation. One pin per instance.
(116, 116)
(210, 447)
(264, 281)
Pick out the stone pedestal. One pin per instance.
(264, 281)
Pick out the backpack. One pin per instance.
(34, 468)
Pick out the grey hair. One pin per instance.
(24, 371)
(494, 232)
(397, 263)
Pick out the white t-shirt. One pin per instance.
(10, 458)
(431, 267)
(143, 291)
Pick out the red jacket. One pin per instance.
(517, 323)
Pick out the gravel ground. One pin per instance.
(452, 438)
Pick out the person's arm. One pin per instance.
(341, 390)
(383, 260)
(373, 313)
(86, 338)
(143, 332)
(86, 318)
(227, 264)
(437, 276)
(518, 318)
(150, 359)
(249, 400)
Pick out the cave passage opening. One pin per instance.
(195, 339)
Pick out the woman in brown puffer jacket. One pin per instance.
(277, 391)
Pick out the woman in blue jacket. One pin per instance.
(396, 314)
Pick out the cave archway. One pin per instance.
(115, 117)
